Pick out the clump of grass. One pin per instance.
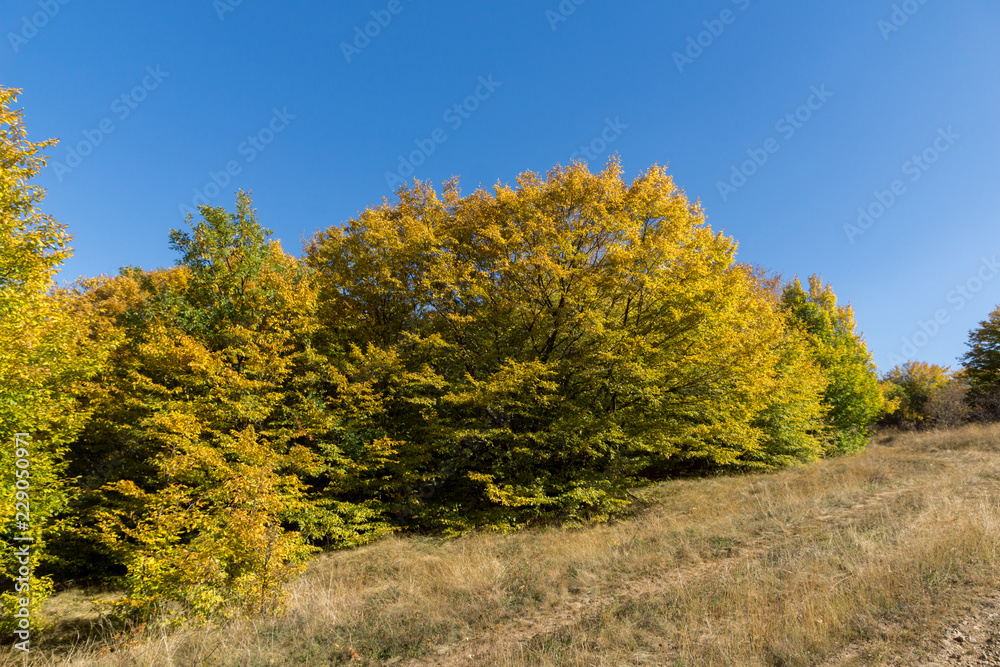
(849, 561)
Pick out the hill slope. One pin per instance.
(874, 558)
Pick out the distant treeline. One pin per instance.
(440, 363)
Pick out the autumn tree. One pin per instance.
(795, 421)
(537, 349)
(45, 359)
(852, 395)
(915, 383)
(208, 460)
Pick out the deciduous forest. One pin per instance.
(443, 362)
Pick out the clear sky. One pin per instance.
(784, 118)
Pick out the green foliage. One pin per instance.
(795, 420)
(981, 369)
(981, 363)
(203, 451)
(852, 394)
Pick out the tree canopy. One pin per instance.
(852, 394)
(539, 349)
(915, 384)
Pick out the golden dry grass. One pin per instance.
(852, 561)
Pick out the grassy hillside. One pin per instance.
(875, 558)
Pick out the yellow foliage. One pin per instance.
(47, 357)
(548, 344)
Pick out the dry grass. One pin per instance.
(852, 561)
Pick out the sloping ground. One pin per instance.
(887, 557)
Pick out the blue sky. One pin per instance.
(784, 118)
